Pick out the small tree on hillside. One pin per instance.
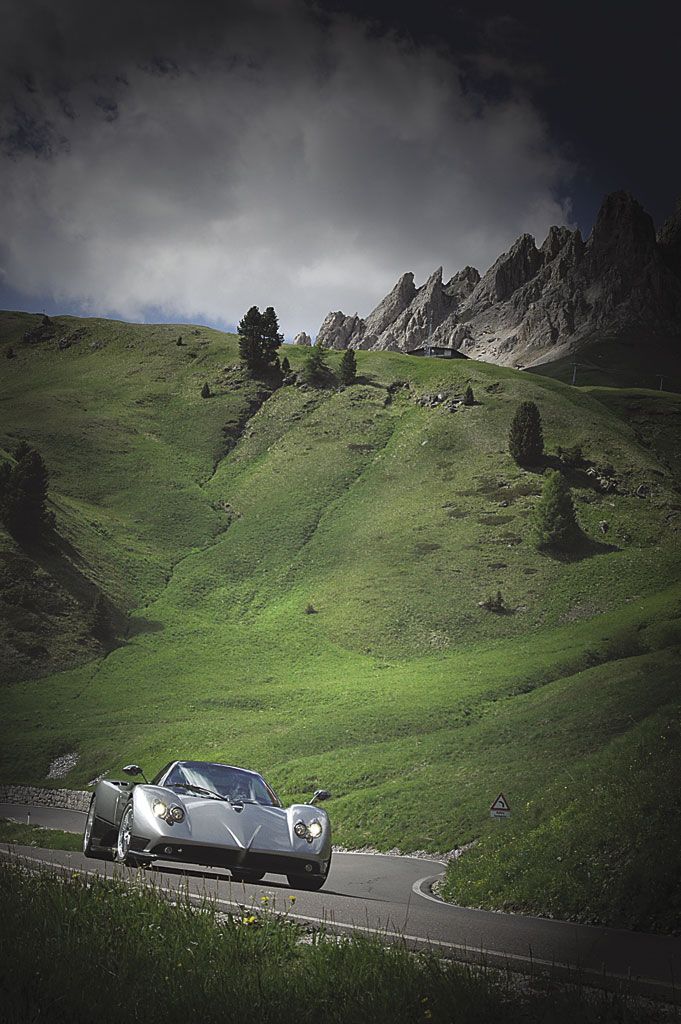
(494, 603)
(555, 520)
(205, 390)
(315, 369)
(22, 450)
(285, 366)
(525, 437)
(468, 396)
(347, 371)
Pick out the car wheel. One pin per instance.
(95, 852)
(246, 876)
(310, 883)
(122, 854)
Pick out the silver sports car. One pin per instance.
(198, 812)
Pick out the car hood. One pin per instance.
(254, 826)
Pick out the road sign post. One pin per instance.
(501, 808)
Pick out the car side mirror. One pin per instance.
(319, 795)
(133, 769)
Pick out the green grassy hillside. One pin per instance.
(295, 577)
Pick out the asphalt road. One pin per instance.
(391, 896)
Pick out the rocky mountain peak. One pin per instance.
(557, 239)
(623, 231)
(341, 331)
(462, 285)
(387, 311)
(513, 269)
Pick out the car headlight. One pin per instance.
(315, 829)
(176, 813)
(300, 829)
(159, 808)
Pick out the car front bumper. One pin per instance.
(260, 861)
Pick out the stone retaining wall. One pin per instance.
(74, 799)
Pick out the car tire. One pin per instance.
(309, 883)
(247, 876)
(122, 854)
(89, 849)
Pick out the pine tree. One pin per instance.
(525, 437)
(285, 366)
(348, 367)
(468, 397)
(259, 338)
(555, 520)
(205, 390)
(249, 338)
(315, 370)
(271, 339)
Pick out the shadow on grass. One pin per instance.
(575, 475)
(584, 547)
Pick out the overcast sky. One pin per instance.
(190, 160)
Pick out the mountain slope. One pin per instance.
(302, 571)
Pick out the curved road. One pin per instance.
(391, 896)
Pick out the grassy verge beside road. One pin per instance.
(33, 835)
(77, 950)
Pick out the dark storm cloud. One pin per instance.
(199, 160)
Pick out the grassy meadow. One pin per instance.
(295, 578)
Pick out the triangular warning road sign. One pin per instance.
(500, 804)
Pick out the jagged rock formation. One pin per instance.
(302, 339)
(534, 304)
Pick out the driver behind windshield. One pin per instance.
(230, 783)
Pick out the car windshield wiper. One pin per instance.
(195, 789)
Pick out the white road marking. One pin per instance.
(416, 887)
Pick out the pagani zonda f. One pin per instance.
(198, 812)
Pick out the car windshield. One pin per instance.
(231, 783)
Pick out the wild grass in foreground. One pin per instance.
(33, 835)
(78, 950)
